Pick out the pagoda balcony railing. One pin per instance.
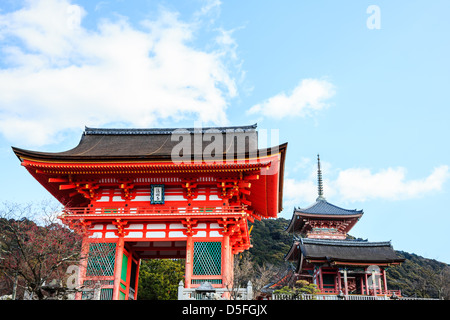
(154, 210)
(326, 297)
(333, 291)
(388, 295)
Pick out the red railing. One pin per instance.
(154, 210)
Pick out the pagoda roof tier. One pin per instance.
(322, 207)
(342, 252)
(322, 210)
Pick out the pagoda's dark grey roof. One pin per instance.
(152, 144)
(322, 206)
(321, 209)
(352, 251)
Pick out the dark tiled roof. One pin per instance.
(150, 144)
(344, 251)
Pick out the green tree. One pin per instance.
(300, 287)
(270, 241)
(159, 278)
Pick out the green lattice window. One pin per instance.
(106, 294)
(207, 258)
(101, 259)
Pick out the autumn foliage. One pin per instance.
(36, 250)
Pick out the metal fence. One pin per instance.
(217, 294)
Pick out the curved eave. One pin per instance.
(61, 157)
(290, 226)
(267, 194)
(357, 262)
(295, 248)
(282, 148)
(105, 167)
(353, 262)
(329, 216)
(65, 157)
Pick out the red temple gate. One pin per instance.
(162, 193)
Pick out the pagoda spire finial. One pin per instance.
(319, 178)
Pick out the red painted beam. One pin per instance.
(67, 186)
(57, 180)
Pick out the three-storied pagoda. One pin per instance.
(325, 255)
(162, 193)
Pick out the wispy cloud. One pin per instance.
(362, 184)
(58, 75)
(309, 96)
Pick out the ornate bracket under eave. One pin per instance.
(189, 187)
(190, 224)
(121, 225)
(87, 190)
(80, 225)
(128, 191)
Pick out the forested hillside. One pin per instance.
(270, 241)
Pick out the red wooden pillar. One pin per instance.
(189, 261)
(136, 285)
(320, 278)
(384, 280)
(227, 278)
(379, 284)
(345, 282)
(361, 283)
(83, 265)
(339, 281)
(374, 284)
(128, 275)
(118, 267)
(227, 271)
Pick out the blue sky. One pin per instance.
(363, 83)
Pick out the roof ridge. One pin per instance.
(144, 131)
(346, 242)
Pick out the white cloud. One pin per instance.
(57, 75)
(307, 97)
(299, 193)
(361, 184)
